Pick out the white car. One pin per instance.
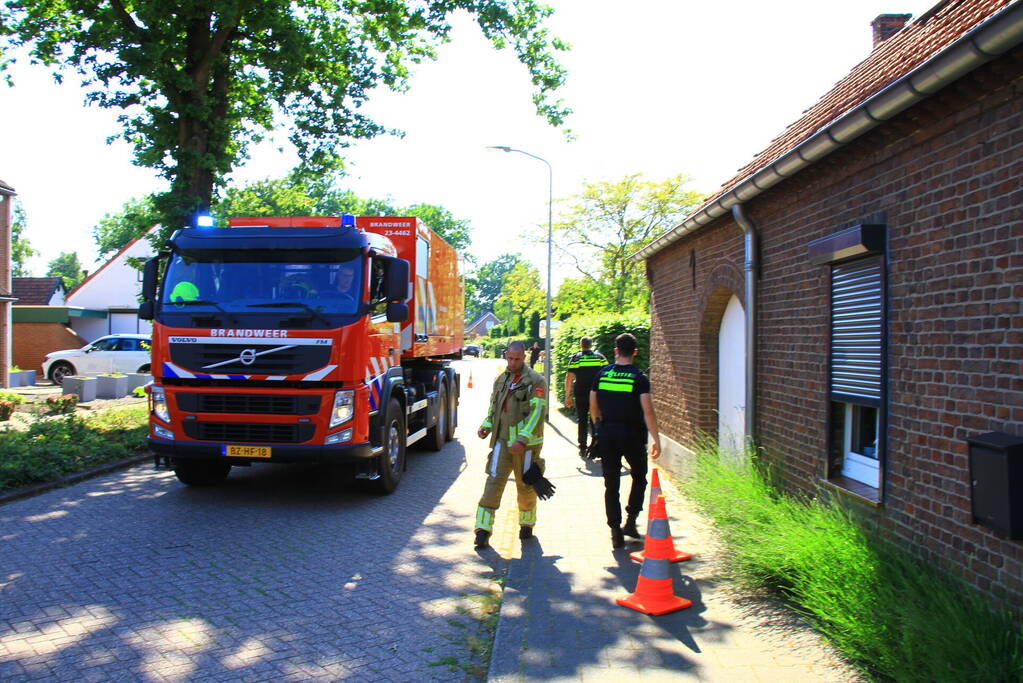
(113, 353)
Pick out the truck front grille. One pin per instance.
(277, 360)
(240, 432)
(254, 404)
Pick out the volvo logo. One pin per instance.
(247, 357)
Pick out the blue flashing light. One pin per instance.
(203, 220)
(347, 221)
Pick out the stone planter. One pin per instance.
(84, 386)
(21, 378)
(111, 387)
(138, 379)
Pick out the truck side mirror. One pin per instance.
(146, 310)
(397, 312)
(149, 281)
(396, 285)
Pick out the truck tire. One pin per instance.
(391, 461)
(201, 472)
(437, 435)
(452, 414)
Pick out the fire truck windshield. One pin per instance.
(309, 286)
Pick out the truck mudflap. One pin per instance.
(280, 453)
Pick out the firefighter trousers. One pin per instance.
(502, 463)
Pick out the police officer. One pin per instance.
(582, 368)
(515, 422)
(623, 415)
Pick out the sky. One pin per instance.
(658, 87)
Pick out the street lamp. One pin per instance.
(550, 212)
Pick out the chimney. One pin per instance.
(887, 25)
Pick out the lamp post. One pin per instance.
(550, 213)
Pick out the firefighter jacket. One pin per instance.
(518, 409)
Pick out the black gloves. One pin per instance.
(533, 477)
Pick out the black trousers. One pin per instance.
(615, 442)
(582, 411)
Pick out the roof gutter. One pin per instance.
(996, 36)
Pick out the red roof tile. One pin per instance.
(929, 34)
(34, 291)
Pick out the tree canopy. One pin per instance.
(115, 230)
(68, 268)
(21, 249)
(604, 225)
(483, 287)
(521, 295)
(198, 82)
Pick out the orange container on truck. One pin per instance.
(316, 339)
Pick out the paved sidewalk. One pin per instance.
(559, 620)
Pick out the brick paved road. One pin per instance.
(280, 574)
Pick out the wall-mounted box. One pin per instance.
(996, 482)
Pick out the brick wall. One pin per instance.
(32, 341)
(946, 177)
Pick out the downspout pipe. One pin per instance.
(751, 268)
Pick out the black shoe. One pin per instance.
(482, 539)
(582, 452)
(617, 540)
(630, 528)
(525, 532)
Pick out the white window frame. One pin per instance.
(863, 468)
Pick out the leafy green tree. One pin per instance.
(483, 287)
(21, 249)
(68, 268)
(134, 220)
(608, 222)
(298, 196)
(521, 294)
(198, 82)
(580, 296)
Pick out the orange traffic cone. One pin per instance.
(655, 488)
(658, 541)
(653, 588)
(470, 379)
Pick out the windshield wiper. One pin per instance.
(204, 302)
(292, 304)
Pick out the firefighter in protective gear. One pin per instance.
(514, 423)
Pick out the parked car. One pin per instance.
(113, 353)
(471, 350)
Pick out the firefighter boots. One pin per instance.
(482, 539)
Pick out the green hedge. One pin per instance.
(493, 347)
(602, 329)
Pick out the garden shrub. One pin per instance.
(52, 448)
(63, 404)
(7, 409)
(12, 396)
(603, 329)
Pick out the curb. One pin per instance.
(37, 489)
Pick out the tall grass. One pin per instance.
(898, 617)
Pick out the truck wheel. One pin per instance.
(437, 436)
(391, 462)
(452, 414)
(201, 472)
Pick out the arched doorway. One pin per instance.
(732, 378)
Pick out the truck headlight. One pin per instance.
(344, 408)
(160, 404)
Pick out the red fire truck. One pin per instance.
(313, 339)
